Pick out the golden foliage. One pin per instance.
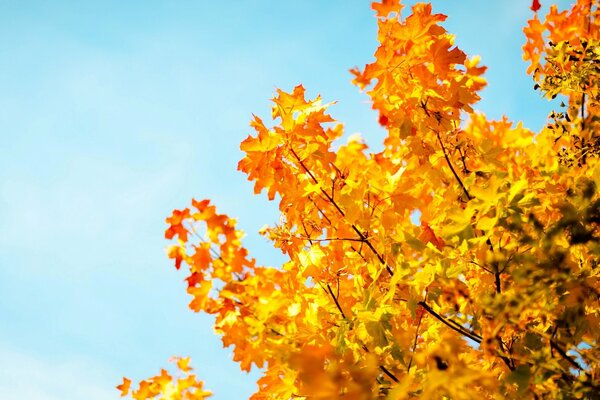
(164, 386)
(495, 294)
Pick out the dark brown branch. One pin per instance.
(370, 246)
(357, 251)
(382, 368)
(460, 182)
(497, 279)
(414, 346)
(510, 363)
(582, 111)
(306, 233)
(458, 328)
(496, 268)
(337, 304)
(388, 373)
(471, 335)
(276, 332)
(462, 159)
(330, 239)
(563, 354)
(320, 211)
(481, 266)
(337, 207)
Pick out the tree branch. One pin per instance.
(563, 354)
(414, 346)
(388, 373)
(458, 328)
(330, 239)
(362, 238)
(337, 304)
(460, 182)
(337, 207)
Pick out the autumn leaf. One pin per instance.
(386, 7)
(124, 387)
(176, 227)
(429, 236)
(493, 295)
(169, 386)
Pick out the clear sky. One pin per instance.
(112, 113)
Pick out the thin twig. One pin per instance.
(510, 363)
(481, 266)
(563, 354)
(331, 239)
(336, 301)
(319, 209)
(460, 182)
(310, 241)
(460, 329)
(337, 207)
(414, 346)
(388, 373)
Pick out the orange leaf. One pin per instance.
(178, 253)
(124, 387)
(428, 236)
(176, 224)
(386, 7)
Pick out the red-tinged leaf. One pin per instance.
(176, 252)
(194, 279)
(383, 120)
(176, 224)
(429, 236)
(200, 205)
(535, 5)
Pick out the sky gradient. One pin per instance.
(113, 113)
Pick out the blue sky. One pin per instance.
(113, 113)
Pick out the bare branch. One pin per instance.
(337, 304)
(456, 327)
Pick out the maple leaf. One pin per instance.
(176, 227)
(178, 253)
(535, 5)
(200, 293)
(384, 8)
(495, 287)
(383, 120)
(183, 363)
(429, 236)
(168, 386)
(124, 387)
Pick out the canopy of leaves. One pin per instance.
(496, 294)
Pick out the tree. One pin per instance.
(495, 293)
